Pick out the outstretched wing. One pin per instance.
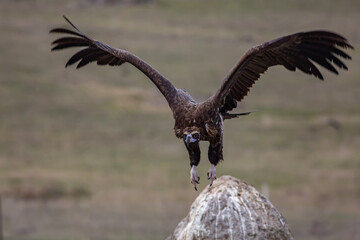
(296, 51)
(103, 54)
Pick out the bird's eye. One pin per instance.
(196, 135)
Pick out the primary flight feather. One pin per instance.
(195, 122)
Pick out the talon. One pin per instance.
(211, 174)
(194, 177)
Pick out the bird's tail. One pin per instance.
(235, 115)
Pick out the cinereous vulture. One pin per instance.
(195, 122)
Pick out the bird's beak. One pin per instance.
(189, 139)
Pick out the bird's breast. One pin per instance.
(199, 118)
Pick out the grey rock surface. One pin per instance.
(231, 209)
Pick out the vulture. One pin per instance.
(203, 121)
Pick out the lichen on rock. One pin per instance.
(231, 209)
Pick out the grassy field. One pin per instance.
(91, 154)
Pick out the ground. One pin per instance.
(91, 153)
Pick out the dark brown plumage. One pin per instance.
(196, 122)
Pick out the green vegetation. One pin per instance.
(97, 143)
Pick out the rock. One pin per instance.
(231, 209)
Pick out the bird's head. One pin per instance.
(191, 137)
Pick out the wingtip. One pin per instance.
(71, 24)
(66, 18)
(54, 30)
(348, 45)
(320, 77)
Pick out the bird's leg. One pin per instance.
(194, 155)
(211, 174)
(215, 155)
(194, 176)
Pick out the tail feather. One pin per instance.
(234, 115)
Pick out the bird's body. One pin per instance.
(195, 122)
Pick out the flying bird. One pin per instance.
(195, 122)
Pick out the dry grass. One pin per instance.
(107, 132)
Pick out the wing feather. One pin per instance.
(104, 54)
(297, 51)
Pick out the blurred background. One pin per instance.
(91, 153)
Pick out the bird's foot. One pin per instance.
(211, 174)
(194, 176)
